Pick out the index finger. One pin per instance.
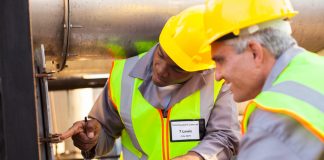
(75, 129)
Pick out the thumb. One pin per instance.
(91, 128)
(90, 134)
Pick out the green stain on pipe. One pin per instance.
(143, 46)
(116, 49)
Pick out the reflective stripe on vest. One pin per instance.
(146, 133)
(298, 92)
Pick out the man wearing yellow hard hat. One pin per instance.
(165, 104)
(256, 55)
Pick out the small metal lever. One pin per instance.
(53, 138)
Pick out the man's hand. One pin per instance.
(84, 134)
(189, 156)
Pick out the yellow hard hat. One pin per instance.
(223, 17)
(182, 38)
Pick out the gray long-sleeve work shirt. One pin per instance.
(222, 131)
(278, 136)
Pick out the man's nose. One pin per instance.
(162, 70)
(218, 74)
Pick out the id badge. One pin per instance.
(187, 130)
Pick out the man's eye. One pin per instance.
(178, 70)
(219, 60)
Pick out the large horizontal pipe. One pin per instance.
(309, 23)
(103, 29)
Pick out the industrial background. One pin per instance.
(55, 56)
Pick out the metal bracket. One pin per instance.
(48, 76)
(41, 64)
(52, 138)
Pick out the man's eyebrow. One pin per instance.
(161, 50)
(217, 58)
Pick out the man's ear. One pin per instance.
(257, 51)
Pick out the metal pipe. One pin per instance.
(101, 29)
(308, 25)
(107, 29)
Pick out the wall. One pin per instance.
(69, 106)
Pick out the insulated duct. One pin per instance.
(88, 34)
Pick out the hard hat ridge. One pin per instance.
(223, 17)
(182, 38)
(279, 24)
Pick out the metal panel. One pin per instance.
(18, 116)
(2, 141)
(42, 106)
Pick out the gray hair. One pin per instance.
(276, 41)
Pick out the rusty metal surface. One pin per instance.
(101, 30)
(309, 23)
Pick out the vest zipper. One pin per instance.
(165, 115)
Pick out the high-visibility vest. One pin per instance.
(298, 92)
(147, 133)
